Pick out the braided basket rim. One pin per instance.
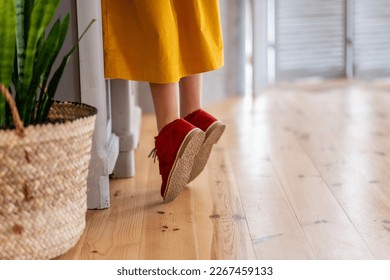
(92, 112)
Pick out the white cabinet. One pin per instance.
(118, 121)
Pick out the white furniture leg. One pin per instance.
(96, 92)
(126, 123)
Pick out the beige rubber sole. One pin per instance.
(182, 167)
(213, 133)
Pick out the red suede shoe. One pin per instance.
(176, 146)
(213, 129)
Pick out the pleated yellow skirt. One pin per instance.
(161, 41)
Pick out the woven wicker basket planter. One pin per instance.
(43, 183)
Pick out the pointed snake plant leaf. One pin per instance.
(47, 56)
(53, 84)
(42, 13)
(7, 39)
(20, 37)
(50, 53)
(7, 49)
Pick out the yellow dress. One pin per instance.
(161, 41)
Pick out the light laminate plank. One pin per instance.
(274, 228)
(345, 171)
(330, 233)
(221, 222)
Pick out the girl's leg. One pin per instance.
(190, 94)
(166, 105)
(190, 110)
(177, 142)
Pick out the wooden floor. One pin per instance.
(302, 172)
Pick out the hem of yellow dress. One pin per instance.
(149, 74)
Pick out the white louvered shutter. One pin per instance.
(310, 39)
(371, 23)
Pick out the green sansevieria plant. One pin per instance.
(7, 49)
(28, 51)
